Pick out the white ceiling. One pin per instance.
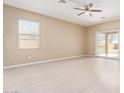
(111, 9)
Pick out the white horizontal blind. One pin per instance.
(29, 35)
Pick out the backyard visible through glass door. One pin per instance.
(101, 50)
(113, 45)
(107, 44)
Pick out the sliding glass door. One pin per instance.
(113, 45)
(107, 44)
(101, 46)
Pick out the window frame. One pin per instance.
(39, 34)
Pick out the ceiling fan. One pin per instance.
(87, 10)
(62, 1)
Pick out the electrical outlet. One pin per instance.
(71, 53)
(29, 57)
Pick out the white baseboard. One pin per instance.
(38, 62)
(90, 56)
(50, 60)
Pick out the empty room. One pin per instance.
(61, 46)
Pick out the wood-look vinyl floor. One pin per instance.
(79, 75)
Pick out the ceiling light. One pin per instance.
(87, 12)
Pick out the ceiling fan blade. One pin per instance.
(81, 13)
(96, 10)
(90, 14)
(79, 9)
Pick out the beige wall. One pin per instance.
(58, 38)
(91, 32)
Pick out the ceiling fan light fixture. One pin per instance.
(87, 12)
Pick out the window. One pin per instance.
(29, 35)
